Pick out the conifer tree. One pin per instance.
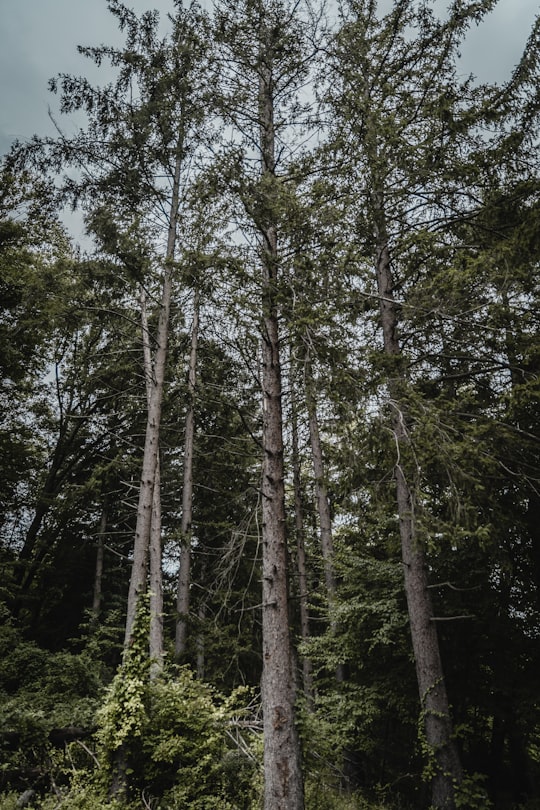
(399, 108)
(264, 60)
(133, 158)
(411, 134)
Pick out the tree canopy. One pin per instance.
(269, 499)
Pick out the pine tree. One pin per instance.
(147, 124)
(264, 62)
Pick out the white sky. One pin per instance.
(38, 40)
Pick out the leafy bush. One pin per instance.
(44, 696)
(167, 738)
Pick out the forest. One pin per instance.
(270, 488)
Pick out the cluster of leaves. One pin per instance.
(47, 699)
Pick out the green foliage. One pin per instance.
(178, 733)
(451, 164)
(173, 733)
(472, 794)
(85, 793)
(320, 796)
(122, 718)
(186, 755)
(9, 801)
(45, 699)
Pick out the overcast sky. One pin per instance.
(38, 40)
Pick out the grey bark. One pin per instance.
(429, 670)
(184, 574)
(283, 786)
(307, 666)
(156, 647)
(155, 639)
(323, 501)
(199, 643)
(138, 579)
(155, 548)
(98, 575)
(321, 488)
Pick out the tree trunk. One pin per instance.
(321, 488)
(184, 574)
(307, 668)
(429, 671)
(139, 569)
(283, 787)
(156, 647)
(98, 576)
(199, 643)
(323, 502)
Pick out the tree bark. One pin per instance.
(429, 671)
(323, 501)
(184, 574)
(155, 639)
(199, 642)
(98, 576)
(283, 786)
(138, 580)
(156, 647)
(307, 667)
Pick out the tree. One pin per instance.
(264, 62)
(147, 124)
(412, 123)
(184, 578)
(35, 258)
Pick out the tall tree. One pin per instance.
(265, 61)
(155, 544)
(147, 124)
(409, 121)
(184, 575)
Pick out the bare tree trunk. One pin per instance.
(307, 667)
(156, 647)
(184, 574)
(321, 487)
(323, 501)
(429, 671)
(283, 786)
(200, 642)
(98, 576)
(138, 580)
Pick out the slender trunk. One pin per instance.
(323, 502)
(139, 569)
(184, 574)
(118, 788)
(199, 644)
(200, 647)
(98, 576)
(429, 671)
(283, 787)
(156, 647)
(283, 781)
(321, 487)
(307, 667)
